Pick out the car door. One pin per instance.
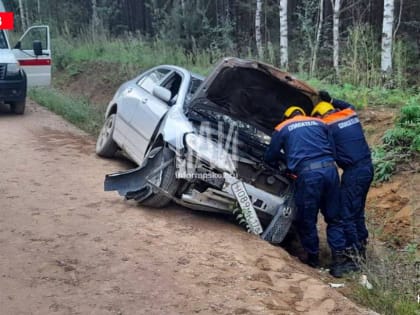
(149, 110)
(133, 105)
(36, 62)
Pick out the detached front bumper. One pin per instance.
(276, 213)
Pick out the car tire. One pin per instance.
(105, 144)
(18, 107)
(169, 182)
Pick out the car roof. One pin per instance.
(181, 69)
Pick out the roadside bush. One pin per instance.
(361, 96)
(400, 143)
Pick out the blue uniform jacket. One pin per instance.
(303, 139)
(347, 135)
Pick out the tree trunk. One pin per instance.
(258, 38)
(38, 2)
(95, 19)
(388, 22)
(284, 55)
(27, 18)
(318, 36)
(22, 15)
(336, 35)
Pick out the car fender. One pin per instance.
(171, 129)
(111, 109)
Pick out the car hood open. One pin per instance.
(253, 92)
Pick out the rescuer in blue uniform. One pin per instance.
(352, 154)
(309, 155)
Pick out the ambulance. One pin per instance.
(27, 63)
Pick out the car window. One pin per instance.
(33, 34)
(3, 42)
(173, 83)
(195, 83)
(149, 81)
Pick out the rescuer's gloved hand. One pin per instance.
(289, 174)
(325, 96)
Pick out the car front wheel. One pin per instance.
(168, 182)
(105, 145)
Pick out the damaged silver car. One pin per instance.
(200, 143)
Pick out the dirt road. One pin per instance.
(67, 247)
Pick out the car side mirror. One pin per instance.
(18, 45)
(162, 93)
(37, 46)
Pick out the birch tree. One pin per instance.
(258, 37)
(336, 4)
(22, 15)
(387, 26)
(27, 18)
(284, 55)
(95, 19)
(318, 36)
(38, 2)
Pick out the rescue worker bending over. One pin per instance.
(309, 154)
(353, 156)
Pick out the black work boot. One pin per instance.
(311, 260)
(342, 264)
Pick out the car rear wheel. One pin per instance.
(18, 107)
(105, 145)
(168, 183)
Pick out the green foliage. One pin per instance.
(399, 143)
(132, 53)
(361, 57)
(194, 31)
(384, 163)
(75, 110)
(362, 96)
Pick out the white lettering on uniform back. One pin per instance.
(302, 124)
(348, 123)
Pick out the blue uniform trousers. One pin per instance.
(319, 189)
(355, 183)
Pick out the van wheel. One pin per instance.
(18, 107)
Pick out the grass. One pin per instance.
(132, 53)
(76, 110)
(395, 279)
(363, 96)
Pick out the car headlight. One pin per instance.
(210, 152)
(12, 69)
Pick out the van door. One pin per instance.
(33, 53)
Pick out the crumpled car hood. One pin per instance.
(253, 92)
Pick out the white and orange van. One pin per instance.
(27, 64)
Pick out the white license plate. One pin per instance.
(248, 210)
